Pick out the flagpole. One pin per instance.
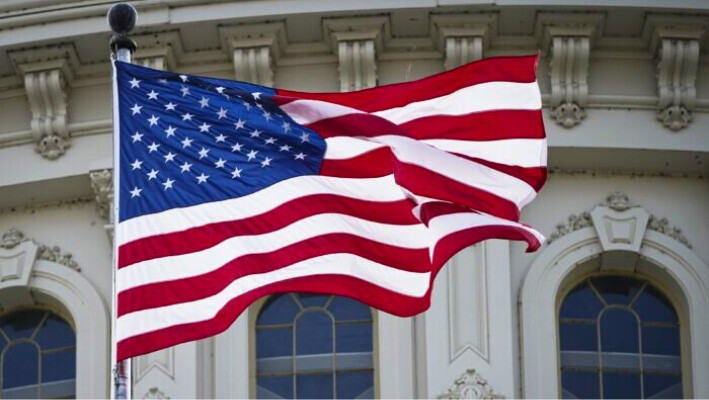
(121, 18)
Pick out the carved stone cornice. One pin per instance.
(568, 39)
(356, 41)
(47, 76)
(470, 385)
(675, 41)
(463, 38)
(254, 49)
(160, 50)
(102, 185)
(14, 237)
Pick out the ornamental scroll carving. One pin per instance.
(13, 237)
(470, 385)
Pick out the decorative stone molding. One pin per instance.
(162, 360)
(255, 48)
(155, 393)
(102, 185)
(573, 223)
(47, 76)
(470, 385)
(14, 237)
(356, 41)
(663, 226)
(159, 50)
(675, 42)
(568, 39)
(463, 38)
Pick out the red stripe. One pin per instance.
(203, 237)
(533, 176)
(487, 125)
(373, 164)
(201, 286)
(507, 69)
(365, 292)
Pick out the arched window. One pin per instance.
(619, 338)
(314, 346)
(37, 356)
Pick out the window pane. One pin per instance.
(280, 309)
(355, 385)
(313, 300)
(314, 333)
(663, 386)
(55, 333)
(21, 324)
(354, 338)
(652, 306)
(621, 385)
(59, 366)
(346, 309)
(661, 340)
(581, 302)
(619, 331)
(578, 337)
(20, 365)
(274, 387)
(580, 384)
(617, 289)
(314, 386)
(274, 342)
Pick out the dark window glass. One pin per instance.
(20, 365)
(619, 338)
(314, 333)
(355, 385)
(318, 386)
(278, 310)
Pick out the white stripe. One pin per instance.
(344, 147)
(482, 97)
(407, 283)
(179, 219)
(472, 174)
(444, 225)
(201, 262)
(519, 152)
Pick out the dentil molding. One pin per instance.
(254, 49)
(47, 74)
(462, 38)
(568, 39)
(470, 385)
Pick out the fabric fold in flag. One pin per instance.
(230, 191)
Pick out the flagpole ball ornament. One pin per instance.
(122, 18)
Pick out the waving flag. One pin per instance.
(231, 191)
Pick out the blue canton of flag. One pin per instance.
(186, 140)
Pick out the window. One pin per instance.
(314, 346)
(619, 338)
(37, 356)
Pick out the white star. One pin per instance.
(134, 83)
(266, 162)
(153, 174)
(202, 178)
(220, 163)
(203, 153)
(187, 117)
(137, 137)
(220, 138)
(186, 142)
(285, 147)
(247, 105)
(170, 131)
(259, 105)
(255, 133)
(236, 173)
(169, 156)
(239, 124)
(252, 154)
(219, 90)
(257, 95)
(135, 192)
(236, 147)
(163, 81)
(153, 120)
(270, 140)
(300, 156)
(267, 115)
(204, 127)
(136, 164)
(168, 183)
(286, 127)
(153, 95)
(170, 106)
(185, 167)
(204, 102)
(221, 113)
(184, 78)
(305, 137)
(185, 91)
(153, 147)
(136, 109)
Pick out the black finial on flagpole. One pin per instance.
(122, 18)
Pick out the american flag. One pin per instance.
(230, 191)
